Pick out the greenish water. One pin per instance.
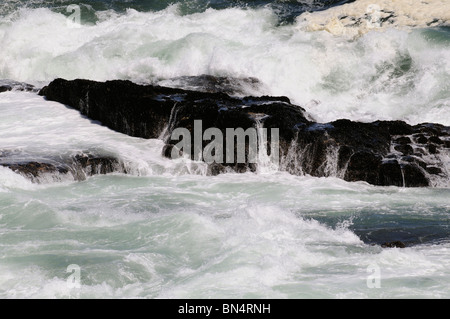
(166, 230)
(274, 236)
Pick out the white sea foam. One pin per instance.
(396, 74)
(67, 134)
(241, 235)
(9, 179)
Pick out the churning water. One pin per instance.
(166, 229)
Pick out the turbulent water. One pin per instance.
(166, 229)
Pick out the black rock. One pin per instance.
(33, 170)
(135, 110)
(432, 148)
(149, 111)
(351, 150)
(9, 85)
(89, 165)
(391, 174)
(77, 167)
(434, 170)
(402, 140)
(216, 169)
(421, 139)
(405, 149)
(171, 151)
(395, 127)
(364, 166)
(414, 176)
(394, 244)
(435, 139)
(4, 88)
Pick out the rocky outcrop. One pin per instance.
(380, 153)
(9, 85)
(34, 170)
(139, 111)
(77, 167)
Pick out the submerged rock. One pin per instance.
(394, 244)
(4, 88)
(78, 167)
(34, 170)
(9, 85)
(380, 153)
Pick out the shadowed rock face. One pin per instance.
(120, 105)
(4, 88)
(380, 153)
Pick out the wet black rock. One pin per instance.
(4, 88)
(421, 139)
(394, 244)
(9, 85)
(405, 149)
(434, 170)
(380, 153)
(86, 164)
(364, 166)
(149, 111)
(33, 170)
(77, 167)
(402, 140)
(435, 140)
(432, 149)
(391, 173)
(131, 109)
